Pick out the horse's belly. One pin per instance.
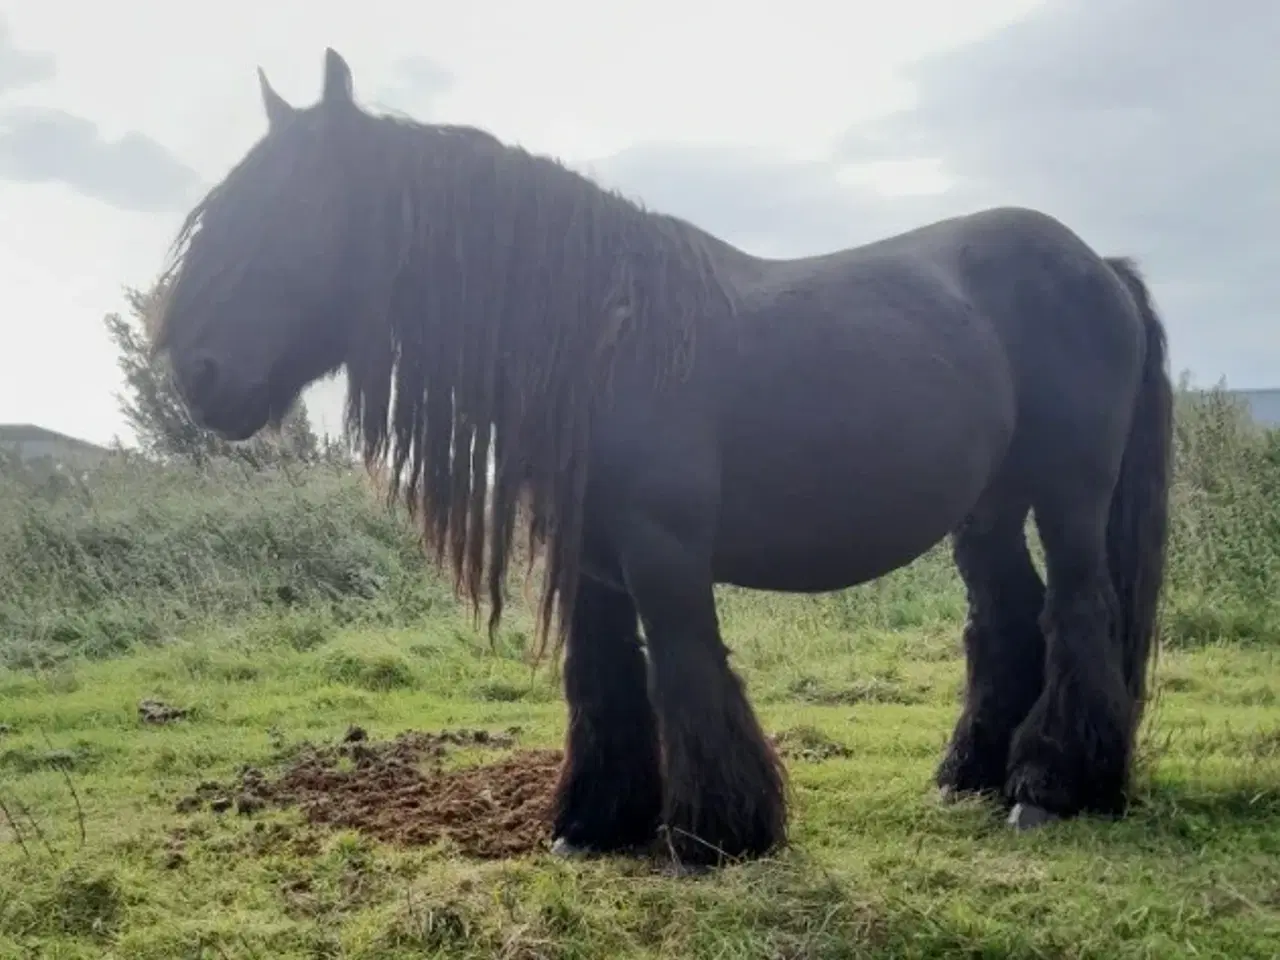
(777, 532)
(840, 552)
(826, 485)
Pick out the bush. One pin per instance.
(1224, 557)
(138, 551)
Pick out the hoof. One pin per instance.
(948, 795)
(1027, 816)
(567, 851)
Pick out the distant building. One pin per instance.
(1264, 404)
(32, 443)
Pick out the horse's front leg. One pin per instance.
(609, 796)
(724, 788)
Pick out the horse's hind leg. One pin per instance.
(1071, 754)
(609, 795)
(1003, 643)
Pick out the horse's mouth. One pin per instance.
(236, 423)
(239, 433)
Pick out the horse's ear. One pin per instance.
(338, 88)
(278, 109)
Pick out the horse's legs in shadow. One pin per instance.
(609, 795)
(724, 788)
(1003, 642)
(1073, 751)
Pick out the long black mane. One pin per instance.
(519, 284)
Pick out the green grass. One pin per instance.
(283, 605)
(877, 868)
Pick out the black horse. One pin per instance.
(664, 412)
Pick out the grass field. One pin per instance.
(283, 607)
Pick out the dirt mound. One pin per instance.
(399, 792)
(809, 743)
(155, 711)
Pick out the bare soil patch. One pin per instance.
(399, 792)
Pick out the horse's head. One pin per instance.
(272, 269)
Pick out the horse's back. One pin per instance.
(864, 405)
(1069, 334)
(1069, 328)
(869, 397)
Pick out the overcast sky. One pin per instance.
(787, 128)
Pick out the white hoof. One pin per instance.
(1027, 816)
(563, 848)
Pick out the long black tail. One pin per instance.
(1137, 529)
